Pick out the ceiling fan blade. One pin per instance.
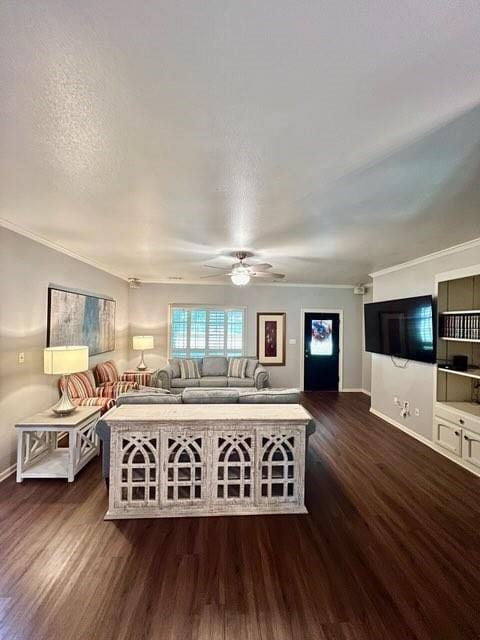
(268, 275)
(210, 266)
(215, 275)
(263, 266)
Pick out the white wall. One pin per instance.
(26, 270)
(149, 315)
(416, 382)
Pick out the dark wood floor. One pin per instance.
(390, 550)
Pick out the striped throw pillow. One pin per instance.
(237, 367)
(140, 378)
(106, 372)
(80, 385)
(189, 369)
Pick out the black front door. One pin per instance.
(321, 351)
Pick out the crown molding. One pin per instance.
(98, 265)
(58, 247)
(251, 284)
(470, 244)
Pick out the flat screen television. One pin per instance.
(403, 328)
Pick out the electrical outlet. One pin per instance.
(417, 412)
(396, 401)
(21, 357)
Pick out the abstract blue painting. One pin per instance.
(76, 318)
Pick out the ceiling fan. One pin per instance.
(241, 272)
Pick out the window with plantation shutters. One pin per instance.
(206, 331)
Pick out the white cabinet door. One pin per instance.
(448, 436)
(184, 468)
(233, 469)
(471, 447)
(134, 471)
(281, 465)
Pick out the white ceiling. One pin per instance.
(333, 138)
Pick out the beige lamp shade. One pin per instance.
(65, 360)
(142, 343)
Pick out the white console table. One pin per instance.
(38, 453)
(205, 460)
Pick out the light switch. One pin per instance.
(21, 357)
(292, 341)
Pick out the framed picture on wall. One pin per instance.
(79, 318)
(271, 338)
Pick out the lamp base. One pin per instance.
(64, 406)
(141, 365)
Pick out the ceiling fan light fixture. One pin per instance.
(240, 278)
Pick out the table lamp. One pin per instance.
(142, 343)
(63, 361)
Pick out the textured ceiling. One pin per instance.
(332, 138)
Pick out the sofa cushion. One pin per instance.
(141, 378)
(214, 366)
(104, 403)
(210, 396)
(181, 383)
(241, 382)
(213, 381)
(237, 367)
(148, 397)
(270, 396)
(114, 389)
(175, 365)
(142, 387)
(252, 364)
(189, 368)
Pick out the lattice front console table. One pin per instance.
(38, 453)
(205, 460)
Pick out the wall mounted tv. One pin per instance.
(404, 328)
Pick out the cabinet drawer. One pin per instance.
(448, 435)
(457, 419)
(471, 448)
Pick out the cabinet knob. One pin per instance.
(457, 433)
(462, 421)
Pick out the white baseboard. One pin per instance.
(423, 440)
(8, 472)
(402, 427)
(367, 393)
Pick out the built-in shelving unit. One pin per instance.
(470, 373)
(465, 408)
(460, 325)
(458, 339)
(456, 425)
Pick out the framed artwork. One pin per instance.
(76, 318)
(271, 338)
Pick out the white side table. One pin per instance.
(38, 453)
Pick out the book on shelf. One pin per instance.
(461, 326)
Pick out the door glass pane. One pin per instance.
(321, 342)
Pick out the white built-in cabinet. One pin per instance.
(456, 424)
(458, 433)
